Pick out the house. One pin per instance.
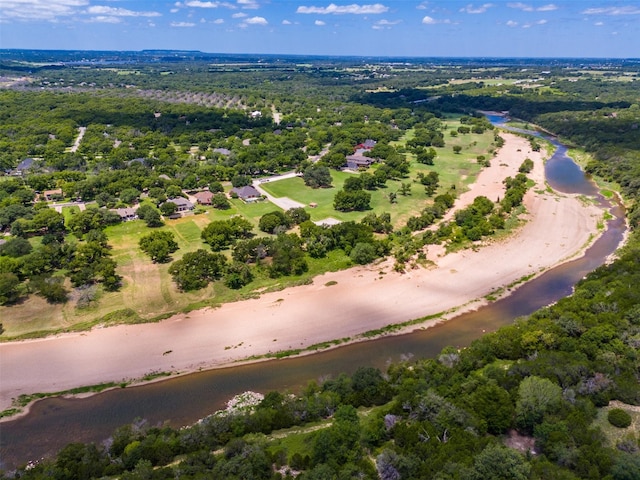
(355, 162)
(23, 166)
(50, 195)
(247, 193)
(256, 114)
(204, 197)
(126, 214)
(368, 144)
(358, 160)
(182, 204)
(222, 151)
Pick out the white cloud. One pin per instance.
(205, 4)
(599, 24)
(174, 10)
(239, 15)
(385, 24)
(199, 4)
(521, 6)
(319, 23)
(529, 8)
(354, 8)
(104, 19)
(529, 25)
(119, 12)
(54, 10)
(422, 6)
(286, 22)
(432, 21)
(248, 4)
(630, 10)
(511, 23)
(218, 21)
(49, 10)
(481, 9)
(182, 24)
(257, 21)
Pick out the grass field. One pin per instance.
(148, 291)
(615, 434)
(458, 170)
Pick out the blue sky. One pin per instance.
(565, 28)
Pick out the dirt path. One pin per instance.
(336, 305)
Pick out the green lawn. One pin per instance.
(457, 170)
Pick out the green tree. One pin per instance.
(159, 245)
(500, 463)
(51, 288)
(363, 253)
(16, 247)
(9, 288)
(317, 176)
(196, 269)
(150, 215)
(238, 275)
(493, 405)
(297, 215)
(536, 396)
(347, 201)
(168, 208)
(129, 195)
(274, 222)
(287, 256)
(426, 156)
(352, 184)
(220, 201)
(619, 418)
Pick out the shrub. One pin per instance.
(619, 418)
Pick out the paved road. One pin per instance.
(76, 144)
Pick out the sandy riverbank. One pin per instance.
(357, 300)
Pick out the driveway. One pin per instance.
(284, 203)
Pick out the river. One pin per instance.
(52, 423)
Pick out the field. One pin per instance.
(455, 170)
(615, 434)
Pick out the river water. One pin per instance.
(52, 423)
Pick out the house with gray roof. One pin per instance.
(182, 204)
(247, 193)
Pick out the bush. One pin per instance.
(619, 418)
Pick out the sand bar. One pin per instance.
(558, 228)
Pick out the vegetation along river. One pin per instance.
(52, 423)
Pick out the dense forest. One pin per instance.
(554, 395)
